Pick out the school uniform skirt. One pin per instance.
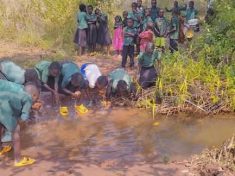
(80, 37)
(92, 34)
(103, 37)
(148, 76)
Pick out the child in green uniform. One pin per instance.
(15, 106)
(161, 24)
(128, 45)
(92, 28)
(147, 19)
(120, 84)
(135, 15)
(174, 32)
(191, 15)
(154, 9)
(140, 7)
(176, 7)
(191, 12)
(71, 81)
(48, 74)
(147, 60)
(81, 36)
(14, 73)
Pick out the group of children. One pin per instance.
(20, 89)
(92, 29)
(149, 25)
(141, 30)
(135, 28)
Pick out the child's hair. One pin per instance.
(122, 87)
(32, 90)
(102, 81)
(176, 3)
(77, 80)
(55, 66)
(191, 2)
(149, 26)
(130, 19)
(90, 6)
(82, 7)
(125, 12)
(134, 4)
(97, 10)
(119, 18)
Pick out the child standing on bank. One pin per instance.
(103, 38)
(147, 19)
(81, 34)
(174, 32)
(161, 30)
(129, 46)
(92, 29)
(118, 36)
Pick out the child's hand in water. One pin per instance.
(77, 94)
(37, 106)
(106, 104)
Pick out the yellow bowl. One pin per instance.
(64, 111)
(81, 109)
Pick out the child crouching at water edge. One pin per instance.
(147, 61)
(16, 104)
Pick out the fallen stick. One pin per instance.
(196, 106)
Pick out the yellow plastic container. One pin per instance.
(64, 111)
(81, 109)
(189, 34)
(156, 123)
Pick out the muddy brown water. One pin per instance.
(123, 136)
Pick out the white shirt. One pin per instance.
(92, 74)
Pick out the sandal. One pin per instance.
(24, 162)
(81, 109)
(5, 149)
(64, 111)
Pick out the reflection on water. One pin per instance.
(123, 135)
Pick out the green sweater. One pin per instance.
(117, 75)
(67, 71)
(42, 69)
(148, 60)
(12, 72)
